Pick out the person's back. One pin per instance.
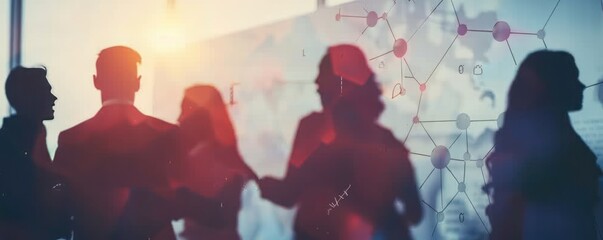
(106, 156)
(119, 149)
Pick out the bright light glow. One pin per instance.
(169, 37)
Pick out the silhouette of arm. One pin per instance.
(287, 192)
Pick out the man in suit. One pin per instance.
(116, 163)
(29, 193)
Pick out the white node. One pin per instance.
(440, 216)
(467, 156)
(462, 187)
(463, 121)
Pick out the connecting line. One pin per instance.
(457, 138)
(480, 217)
(419, 105)
(420, 154)
(428, 134)
(429, 206)
(456, 14)
(457, 193)
(555, 8)
(426, 179)
(592, 85)
(436, 67)
(362, 33)
(437, 121)
(545, 47)
(442, 189)
(352, 16)
(465, 163)
(390, 29)
(408, 134)
(434, 228)
(420, 26)
(524, 33)
(512, 55)
(467, 139)
(401, 73)
(379, 55)
(484, 177)
(410, 70)
(478, 30)
(457, 180)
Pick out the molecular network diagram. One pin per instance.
(440, 156)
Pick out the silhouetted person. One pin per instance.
(543, 177)
(29, 195)
(117, 163)
(347, 189)
(211, 159)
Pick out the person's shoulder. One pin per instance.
(313, 117)
(159, 125)
(78, 132)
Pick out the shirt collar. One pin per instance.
(112, 102)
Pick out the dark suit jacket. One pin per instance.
(29, 205)
(104, 158)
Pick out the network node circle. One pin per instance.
(384, 16)
(462, 30)
(541, 34)
(463, 121)
(501, 31)
(440, 216)
(422, 87)
(400, 47)
(479, 163)
(440, 157)
(500, 120)
(462, 187)
(337, 17)
(371, 19)
(467, 156)
(415, 119)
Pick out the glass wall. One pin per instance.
(4, 52)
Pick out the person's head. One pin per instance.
(360, 108)
(342, 67)
(29, 93)
(116, 73)
(547, 79)
(203, 114)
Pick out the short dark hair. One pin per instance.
(117, 57)
(19, 81)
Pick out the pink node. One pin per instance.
(415, 119)
(337, 17)
(422, 87)
(501, 31)
(400, 47)
(462, 30)
(371, 19)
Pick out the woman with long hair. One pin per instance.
(543, 177)
(212, 165)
